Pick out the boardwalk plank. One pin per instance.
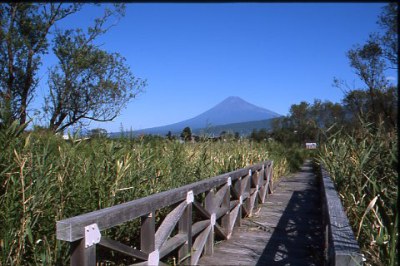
(286, 230)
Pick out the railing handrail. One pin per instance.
(227, 195)
(341, 245)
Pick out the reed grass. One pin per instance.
(44, 179)
(364, 167)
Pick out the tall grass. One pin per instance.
(44, 179)
(364, 167)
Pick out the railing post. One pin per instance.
(247, 191)
(209, 206)
(263, 183)
(225, 220)
(253, 186)
(269, 178)
(238, 188)
(147, 233)
(185, 227)
(81, 255)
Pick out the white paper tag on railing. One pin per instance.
(250, 172)
(92, 235)
(189, 197)
(240, 200)
(229, 181)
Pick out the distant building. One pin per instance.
(311, 145)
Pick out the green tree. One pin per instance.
(24, 28)
(88, 83)
(371, 60)
(388, 21)
(169, 135)
(260, 135)
(369, 64)
(186, 134)
(98, 133)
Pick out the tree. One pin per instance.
(325, 114)
(98, 133)
(169, 135)
(260, 135)
(186, 134)
(369, 65)
(88, 83)
(388, 21)
(24, 28)
(371, 60)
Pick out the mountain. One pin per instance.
(229, 111)
(243, 128)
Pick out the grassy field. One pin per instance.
(45, 179)
(364, 166)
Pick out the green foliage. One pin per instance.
(98, 133)
(24, 28)
(305, 121)
(260, 135)
(388, 21)
(186, 134)
(88, 83)
(364, 164)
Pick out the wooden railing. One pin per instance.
(199, 211)
(341, 247)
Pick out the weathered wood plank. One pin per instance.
(166, 227)
(244, 188)
(225, 205)
(199, 226)
(219, 197)
(173, 243)
(185, 228)
(210, 206)
(122, 248)
(147, 231)
(199, 245)
(263, 192)
(233, 217)
(221, 211)
(203, 212)
(82, 256)
(220, 231)
(343, 248)
(252, 201)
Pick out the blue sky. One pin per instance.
(195, 55)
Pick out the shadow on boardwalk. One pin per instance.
(286, 229)
(297, 238)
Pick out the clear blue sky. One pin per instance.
(195, 55)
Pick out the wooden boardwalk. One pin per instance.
(285, 230)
